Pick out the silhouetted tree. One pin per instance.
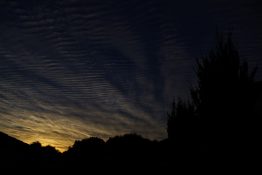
(180, 120)
(224, 95)
(87, 151)
(36, 146)
(221, 104)
(132, 150)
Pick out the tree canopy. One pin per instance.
(221, 101)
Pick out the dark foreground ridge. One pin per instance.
(130, 152)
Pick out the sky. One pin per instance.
(75, 69)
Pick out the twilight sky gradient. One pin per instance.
(72, 69)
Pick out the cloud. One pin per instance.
(78, 69)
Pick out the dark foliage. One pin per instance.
(218, 120)
(182, 126)
(224, 98)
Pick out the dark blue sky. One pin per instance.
(76, 68)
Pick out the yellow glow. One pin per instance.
(61, 131)
(61, 146)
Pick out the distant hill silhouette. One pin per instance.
(17, 154)
(12, 150)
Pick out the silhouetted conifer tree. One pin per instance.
(224, 95)
(222, 100)
(181, 126)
